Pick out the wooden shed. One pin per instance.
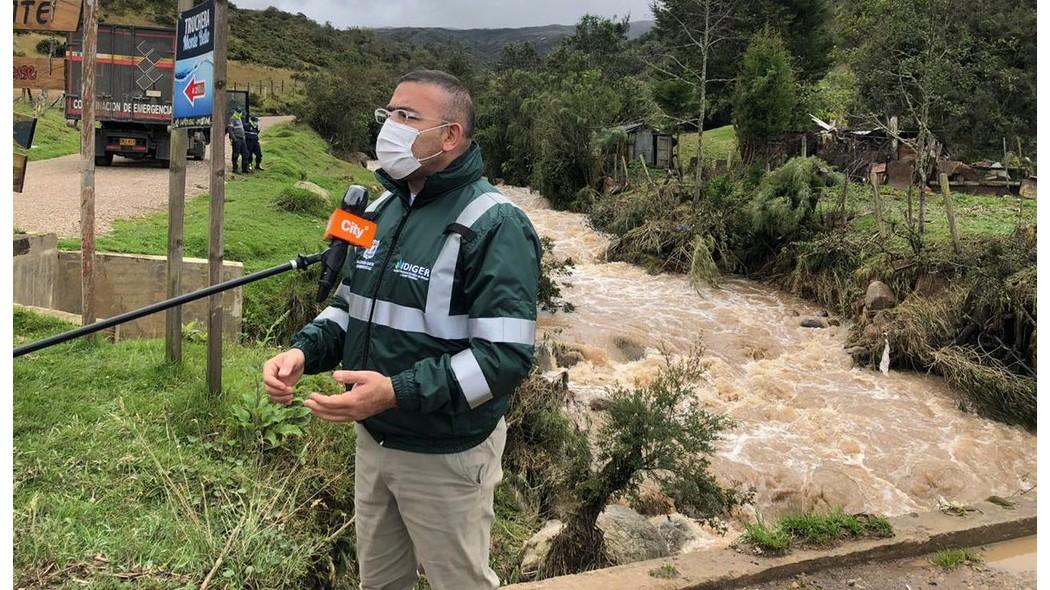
(655, 147)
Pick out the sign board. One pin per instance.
(20, 171)
(194, 67)
(47, 15)
(25, 128)
(40, 73)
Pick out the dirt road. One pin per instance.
(50, 201)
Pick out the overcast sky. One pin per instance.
(456, 14)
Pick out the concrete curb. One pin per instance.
(915, 535)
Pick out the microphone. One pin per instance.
(346, 227)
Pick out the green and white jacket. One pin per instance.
(444, 302)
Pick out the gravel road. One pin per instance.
(50, 201)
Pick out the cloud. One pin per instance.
(457, 14)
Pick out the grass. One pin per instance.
(950, 559)
(52, 137)
(814, 529)
(767, 538)
(667, 571)
(135, 471)
(242, 73)
(126, 468)
(718, 144)
(257, 233)
(978, 217)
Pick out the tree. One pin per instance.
(766, 98)
(659, 431)
(970, 66)
(697, 28)
(678, 101)
(518, 56)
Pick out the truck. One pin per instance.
(133, 93)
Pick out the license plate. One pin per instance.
(127, 141)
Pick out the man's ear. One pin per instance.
(454, 138)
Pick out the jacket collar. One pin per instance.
(462, 171)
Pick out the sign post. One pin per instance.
(87, 165)
(217, 192)
(184, 53)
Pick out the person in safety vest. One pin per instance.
(434, 326)
(251, 142)
(237, 147)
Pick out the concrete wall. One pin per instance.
(125, 282)
(35, 264)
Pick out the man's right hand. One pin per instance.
(281, 373)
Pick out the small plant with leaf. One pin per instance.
(267, 423)
(950, 558)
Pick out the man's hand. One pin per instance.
(372, 393)
(281, 373)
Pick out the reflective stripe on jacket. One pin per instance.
(444, 302)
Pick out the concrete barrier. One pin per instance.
(915, 535)
(125, 282)
(44, 277)
(34, 267)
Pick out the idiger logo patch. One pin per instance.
(412, 272)
(366, 261)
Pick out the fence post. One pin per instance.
(949, 208)
(878, 201)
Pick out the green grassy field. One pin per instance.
(718, 143)
(53, 138)
(978, 217)
(257, 233)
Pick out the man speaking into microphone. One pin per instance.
(434, 324)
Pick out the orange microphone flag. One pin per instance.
(350, 228)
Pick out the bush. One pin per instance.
(766, 97)
(299, 200)
(56, 47)
(339, 104)
(659, 431)
(551, 269)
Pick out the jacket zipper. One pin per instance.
(379, 282)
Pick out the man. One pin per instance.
(251, 139)
(236, 131)
(437, 323)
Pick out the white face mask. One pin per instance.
(394, 149)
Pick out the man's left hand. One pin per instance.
(372, 393)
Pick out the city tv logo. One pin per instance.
(351, 229)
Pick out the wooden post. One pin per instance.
(87, 164)
(878, 202)
(803, 145)
(949, 208)
(176, 210)
(217, 192)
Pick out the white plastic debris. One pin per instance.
(884, 364)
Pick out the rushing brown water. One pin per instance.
(813, 432)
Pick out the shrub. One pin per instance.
(659, 431)
(299, 200)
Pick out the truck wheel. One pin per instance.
(104, 160)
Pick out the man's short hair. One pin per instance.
(460, 106)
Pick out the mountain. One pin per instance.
(487, 44)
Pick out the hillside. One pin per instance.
(487, 44)
(279, 39)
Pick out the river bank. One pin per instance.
(966, 315)
(815, 431)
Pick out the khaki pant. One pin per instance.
(425, 509)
